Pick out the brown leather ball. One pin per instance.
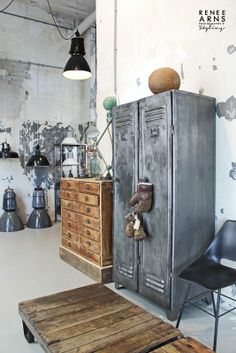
(163, 79)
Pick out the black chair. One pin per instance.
(213, 271)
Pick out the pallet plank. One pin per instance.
(93, 319)
(71, 330)
(184, 345)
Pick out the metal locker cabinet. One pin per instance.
(125, 164)
(171, 142)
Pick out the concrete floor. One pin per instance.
(30, 267)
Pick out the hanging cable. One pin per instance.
(57, 27)
(6, 7)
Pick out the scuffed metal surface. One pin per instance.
(227, 109)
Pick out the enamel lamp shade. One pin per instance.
(38, 159)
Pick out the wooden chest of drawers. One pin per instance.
(86, 210)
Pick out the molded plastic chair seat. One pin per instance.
(213, 272)
(209, 274)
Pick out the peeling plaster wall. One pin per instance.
(159, 33)
(37, 102)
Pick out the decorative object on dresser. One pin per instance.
(86, 211)
(167, 139)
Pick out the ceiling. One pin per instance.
(74, 9)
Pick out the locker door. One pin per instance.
(155, 164)
(125, 170)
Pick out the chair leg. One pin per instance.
(217, 312)
(183, 306)
(213, 302)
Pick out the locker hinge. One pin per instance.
(172, 129)
(138, 260)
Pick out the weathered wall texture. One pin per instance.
(159, 33)
(37, 102)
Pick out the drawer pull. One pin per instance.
(86, 198)
(69, 235)
(69, 244)
(88, 232)
(88, 209)
(89, 243)
(88, 221)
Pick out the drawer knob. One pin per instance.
(88, 221)
(89, 243)
(86, 198)
(88, 232)
(88, 209)
(69, 235)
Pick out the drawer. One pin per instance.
(70, 205)
(70, 235)
(93, 188)
(89, 210)
(69, 215)
(69, 185)
(88, 221)
(90, 245)
(69, 195)
(89, 255)
(69, 225)
(89, 233)
(70, 245)
(89, 199)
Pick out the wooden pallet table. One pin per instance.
(183, 345)
(93, 319)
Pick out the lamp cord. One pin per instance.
(50, 9)
(6, 7)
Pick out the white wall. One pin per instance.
(37, 101)
(159, 33)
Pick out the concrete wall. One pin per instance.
(37, 102)
(159, 33)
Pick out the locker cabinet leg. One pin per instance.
(172, 315)
(118, 285)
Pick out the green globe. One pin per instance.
(109, 103)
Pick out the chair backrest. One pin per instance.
(224, 244)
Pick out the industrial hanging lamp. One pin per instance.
(38, 159)
(6, 151)
(77, 67)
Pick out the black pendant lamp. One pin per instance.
(77, 67)
(38, 159)
(6, 151)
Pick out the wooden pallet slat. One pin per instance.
(71, 330)
(95, 319)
